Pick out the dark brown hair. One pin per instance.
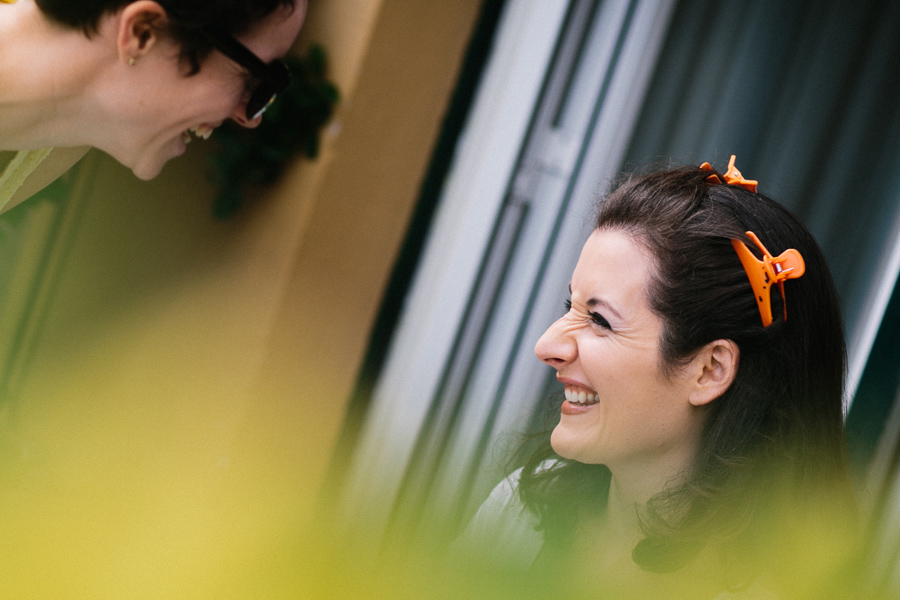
(772, 447)
(186, 18)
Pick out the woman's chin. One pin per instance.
(148, 169)
(575, 445)
(146, 175)
(561, 444)
(149, 165)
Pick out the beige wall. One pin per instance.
(186, 378)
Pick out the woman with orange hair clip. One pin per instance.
(134, 78)
(699, 451)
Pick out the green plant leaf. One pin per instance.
(244, 158)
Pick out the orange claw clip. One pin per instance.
(762, 273)
(732, 176)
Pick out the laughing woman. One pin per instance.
(132, 78)
(699, 451)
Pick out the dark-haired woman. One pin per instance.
(132, 78)
(699, 451)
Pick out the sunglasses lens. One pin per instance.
(259, 101)
(266, 91)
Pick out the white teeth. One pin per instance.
(581, 397)
(186, 137)
(202, 131)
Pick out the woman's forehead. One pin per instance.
(614, 266)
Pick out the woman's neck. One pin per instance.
(632, 485)
(638, 479)
(45, 71)
(601, 557)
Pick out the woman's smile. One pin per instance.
(579, 398)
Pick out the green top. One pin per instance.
(18, 169)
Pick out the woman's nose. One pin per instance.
(556, 347)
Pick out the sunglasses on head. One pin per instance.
(272, 78)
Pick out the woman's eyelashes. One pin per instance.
(596, 318)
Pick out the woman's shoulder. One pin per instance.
(23, 174)
(14, 174)
(504, 500)
(505, 494)
(503, 508)
(503, 528)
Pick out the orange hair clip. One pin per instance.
(732, 176)
(762, 273)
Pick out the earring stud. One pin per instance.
(132, 62)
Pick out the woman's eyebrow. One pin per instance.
(595, 302)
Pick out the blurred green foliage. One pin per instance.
(246, 158)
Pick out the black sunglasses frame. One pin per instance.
(273, 78)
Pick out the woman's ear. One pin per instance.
(715, 368)
(139, 29)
